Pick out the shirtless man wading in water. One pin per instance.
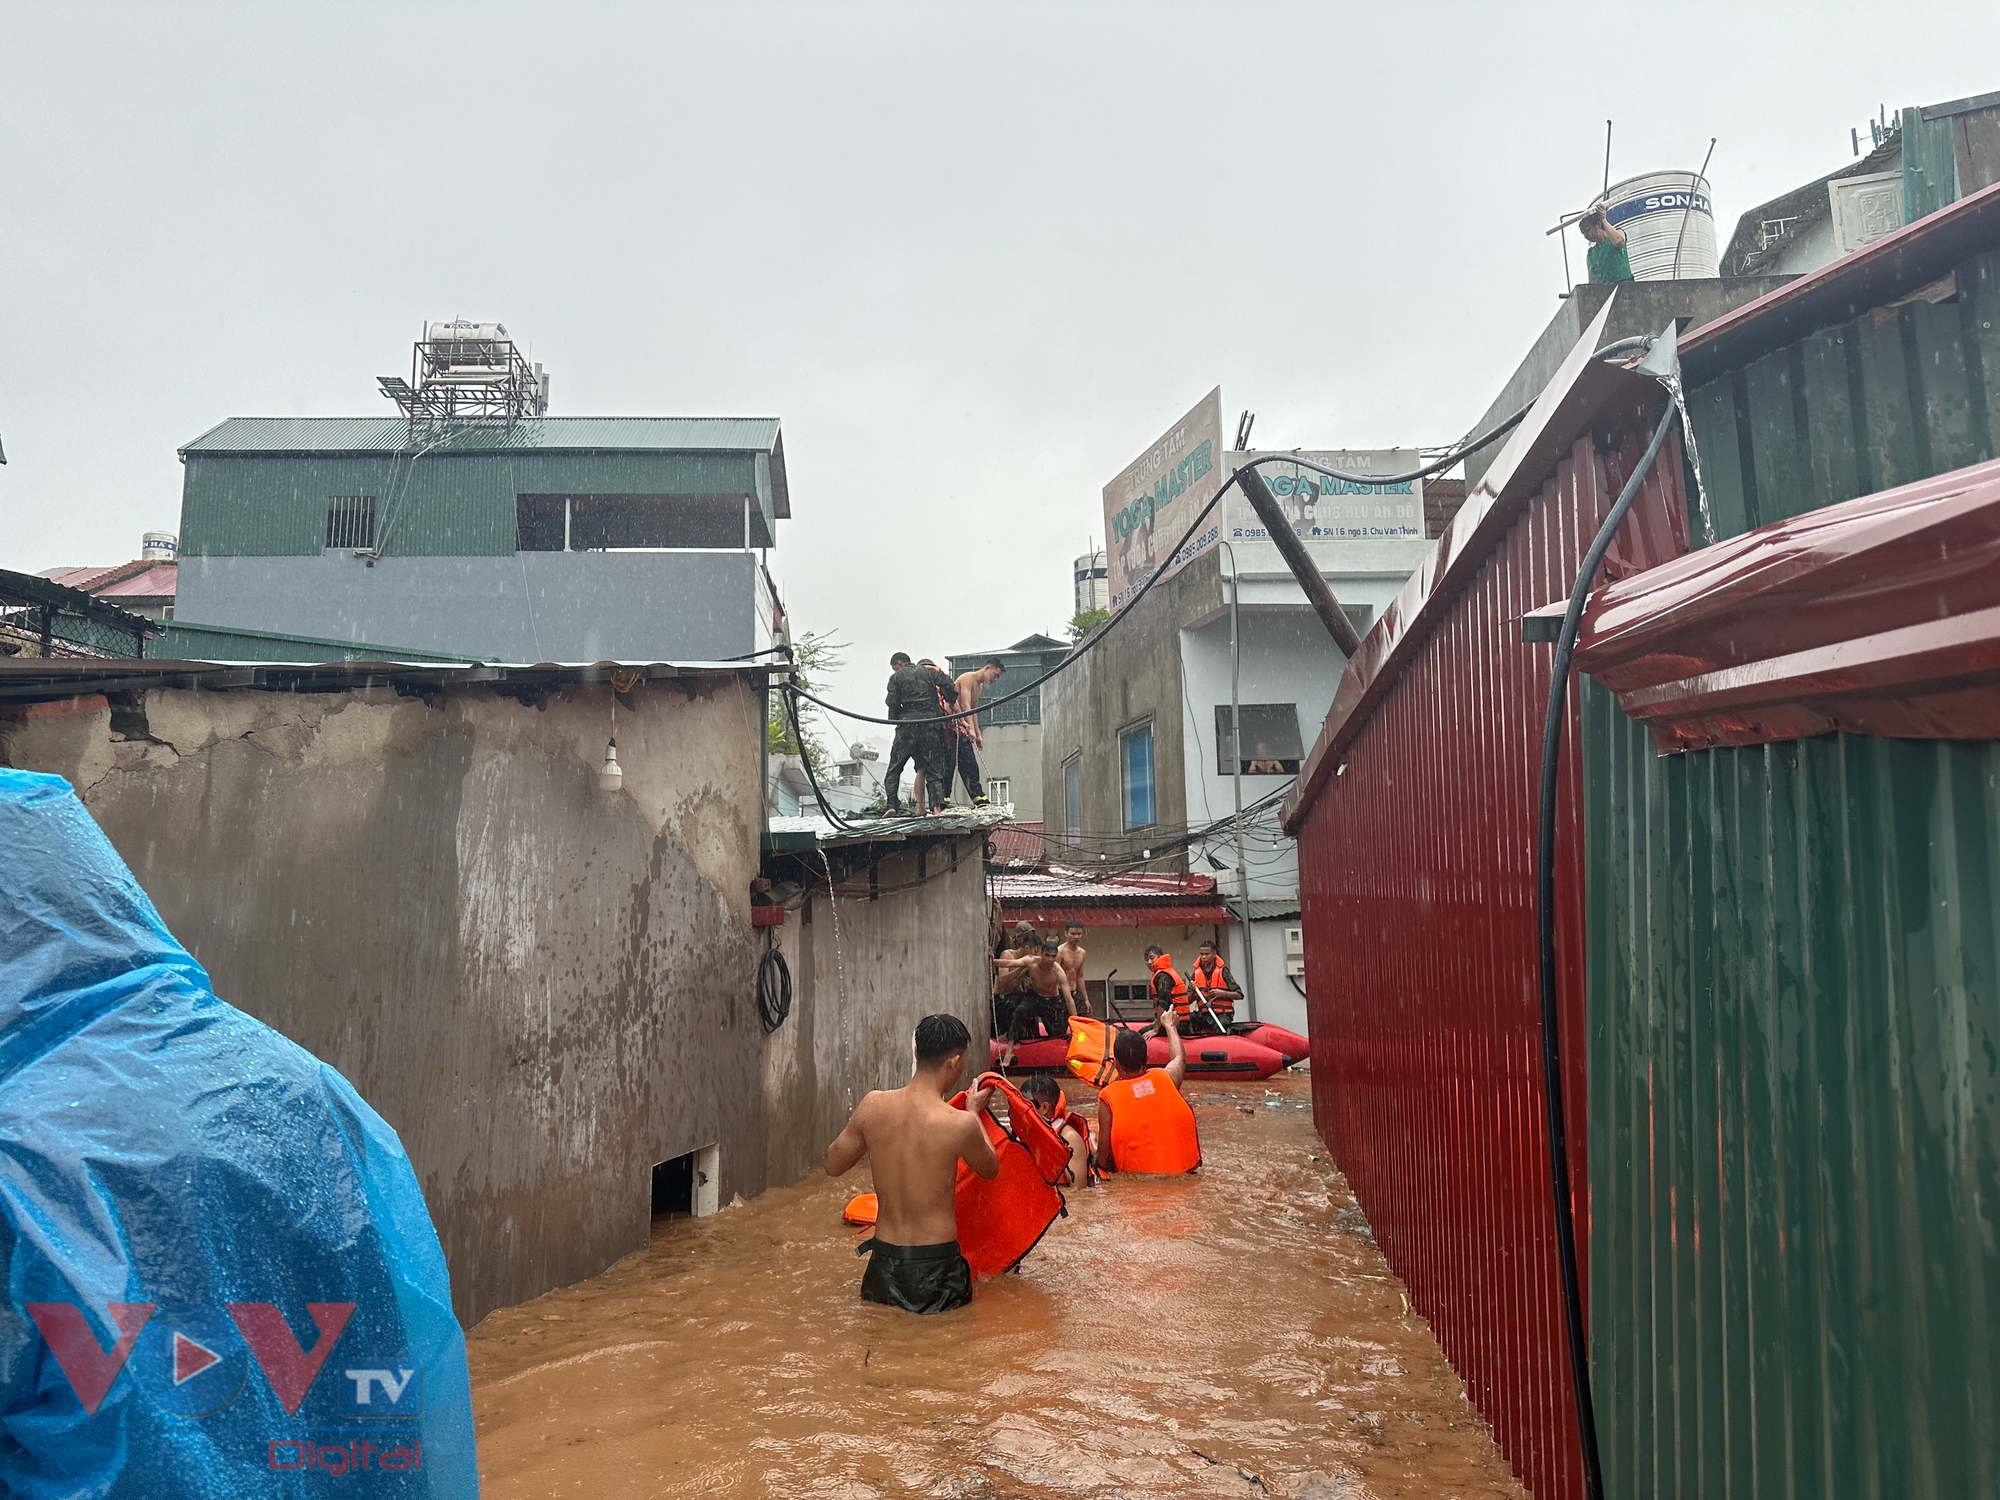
(914, 1141)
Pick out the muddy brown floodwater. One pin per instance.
(1235, 1333)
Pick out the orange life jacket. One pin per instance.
(1164, 964)
(1000, 1221)
(1208, 981)
(860, 1210)
(1065, 1117)
(1089, 1055)
(1152, 1126)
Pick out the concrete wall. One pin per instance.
(1132, 674)
(545, 989)
(1273, 997)
(527, 607)
(1641, 307)
(1287, 657)
(864, 972)
(1014, 751)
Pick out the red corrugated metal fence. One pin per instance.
(1417, 884)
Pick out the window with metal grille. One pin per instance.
(1132, 1001)
(350, 521)
(1271, 745)
(1027, 709)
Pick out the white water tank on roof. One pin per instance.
(461, 331)
(159, 546)
(1669, 225)
(1093, 581)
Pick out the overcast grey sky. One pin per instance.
(974, 256)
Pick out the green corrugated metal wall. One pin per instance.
(435, 505)
(1894, 396)
(1930, 166)
(1794, 1037)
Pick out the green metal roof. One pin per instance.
(542, 434)
(302, 436)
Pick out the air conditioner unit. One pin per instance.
(1295, 952)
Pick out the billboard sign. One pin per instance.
(1321, 508)
(1152, 501)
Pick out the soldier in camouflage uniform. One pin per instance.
(913, 695)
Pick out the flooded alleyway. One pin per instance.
(1233, 1334)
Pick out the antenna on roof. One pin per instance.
(1607, 159)
(1243, 425)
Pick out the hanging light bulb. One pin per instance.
(612, 777)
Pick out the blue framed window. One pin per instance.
(1135, 758)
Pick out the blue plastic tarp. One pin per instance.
(221, 1276)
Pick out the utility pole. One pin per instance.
(1236, 781)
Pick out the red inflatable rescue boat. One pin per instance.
(1227, 1056)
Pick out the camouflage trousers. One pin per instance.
(927, 745)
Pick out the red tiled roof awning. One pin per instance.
(1037, 915)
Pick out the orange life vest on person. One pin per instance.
(1000, 1221)
(1208, 981)
(1164, 964)
(1152, 1126)
(1066, 1118)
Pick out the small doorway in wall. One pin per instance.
(687, 1186)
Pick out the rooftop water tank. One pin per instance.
(462, 331)
(1669, 225)
(159, 546)
(1093, 581)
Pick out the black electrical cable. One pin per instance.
(1545, 885)
(774, 988)
(805, 759)
(1470, 445)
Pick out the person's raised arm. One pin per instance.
(978, 1149)
(1176, 1052)
(847, 1149)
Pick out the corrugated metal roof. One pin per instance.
(144, 579)
(537, 434)
(1269, 908)
(1074, 886)
(785, 830)
(1121, 916)
(41, 679)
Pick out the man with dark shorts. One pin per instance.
(914, 1141)
(1035, 1003)
(966, 740)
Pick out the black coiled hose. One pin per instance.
(774, 988)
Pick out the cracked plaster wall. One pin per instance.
(544, 989)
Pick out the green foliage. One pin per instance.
(1086, 620)
(814, 654)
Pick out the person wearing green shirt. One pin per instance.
(1608, 260)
